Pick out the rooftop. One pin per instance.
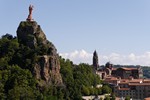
(129, 68)
(148, 98)
(139, 84)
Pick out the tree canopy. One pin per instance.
(18, 82)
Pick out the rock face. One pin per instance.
(29, 33)
(47, 67)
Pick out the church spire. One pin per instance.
(95, 60)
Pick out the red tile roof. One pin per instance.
(129, 68)
(114, 68)
(148, 98)
(139, 84)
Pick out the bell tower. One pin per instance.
(95, 60)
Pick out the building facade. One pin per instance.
(138, 89)
(124, 81)
(128, 72)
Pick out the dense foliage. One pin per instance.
(17, 81)
(127, 98)
(80, 80)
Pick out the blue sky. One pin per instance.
(78, 27)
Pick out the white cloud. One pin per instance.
(78, 56)
(82, 56)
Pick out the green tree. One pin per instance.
(127, 98)
(85, 91)
(106, 89)
(20, 84)
(113, 97)
(79, 79)
(2, 94)
(107, 97)
(92, 92)
(99, 90)
(23, 93)
(8, 47)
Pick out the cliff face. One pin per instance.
(47, 67)
(29, 33)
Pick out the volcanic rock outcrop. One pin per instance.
(47, 67)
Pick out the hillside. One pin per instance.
(31, 69)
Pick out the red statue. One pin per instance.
(30, 13)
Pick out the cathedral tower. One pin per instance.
(95, 60)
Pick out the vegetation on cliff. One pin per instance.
(17, 80)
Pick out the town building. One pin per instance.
(137, 89)
(121, 72)
(128, 72)
(125, 81)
